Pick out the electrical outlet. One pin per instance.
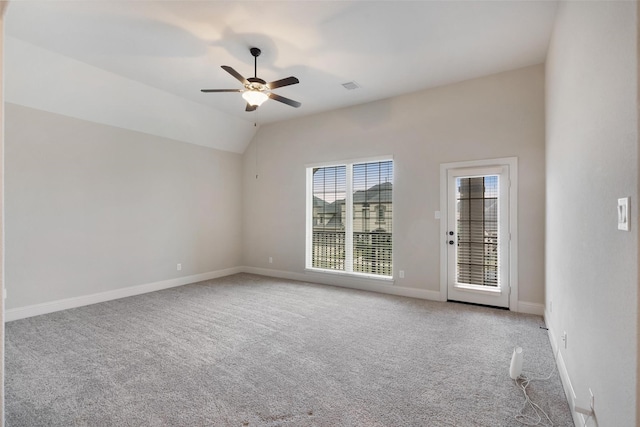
(402, 274)
(564, 339)
(270, 260)
(179, 267)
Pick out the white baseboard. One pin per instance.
(363, 284)
(334, 280)
(530, 308)
(578, 419)
(275, 273)
(64, 304)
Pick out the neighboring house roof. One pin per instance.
(333, 211)
(377, 194)
(380, 193)
(319, 203)
(327, 208)
(335, 222)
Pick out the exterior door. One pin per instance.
(478, 235)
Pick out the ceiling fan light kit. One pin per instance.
(254, 97)
(256, 91)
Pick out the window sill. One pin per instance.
(479, 288)
(387, 280)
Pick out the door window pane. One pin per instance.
(477, 230)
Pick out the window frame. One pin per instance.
(348, 271)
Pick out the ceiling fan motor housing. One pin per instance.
(256, 83)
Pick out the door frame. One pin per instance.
(512, 164)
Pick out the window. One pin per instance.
(342, 233)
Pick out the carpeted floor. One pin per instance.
(247, 350)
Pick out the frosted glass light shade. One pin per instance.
(254, 97)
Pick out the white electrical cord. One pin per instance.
(533, 420)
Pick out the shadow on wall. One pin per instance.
(377, 112)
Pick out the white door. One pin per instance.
(478, 235)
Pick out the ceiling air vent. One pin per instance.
(350, 85)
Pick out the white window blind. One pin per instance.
(351, 218)
(329, 194)
(477, 229)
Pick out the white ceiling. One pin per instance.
(177, 47)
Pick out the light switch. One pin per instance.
(623, 214)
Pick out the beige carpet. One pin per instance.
(247, 350)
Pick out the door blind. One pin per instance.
(477, 225)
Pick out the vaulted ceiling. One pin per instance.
(141, 64)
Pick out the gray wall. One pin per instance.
(497, 116)
(592, 160)
(93, 208)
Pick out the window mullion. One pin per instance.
(348, 242)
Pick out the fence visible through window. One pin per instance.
(328, 250)
(372, 253)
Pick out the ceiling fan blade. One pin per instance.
(221, 90)
(250, 107)
(235, 74)
(283, 82)
(284, 100)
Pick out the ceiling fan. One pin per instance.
(256, 90)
